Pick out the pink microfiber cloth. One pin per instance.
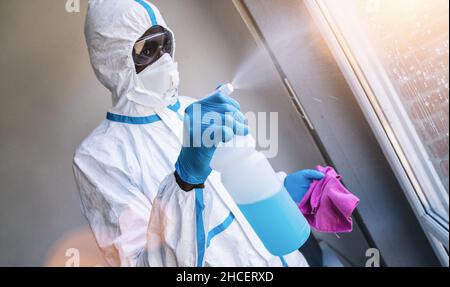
(328, 205)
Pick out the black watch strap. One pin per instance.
(187, 186)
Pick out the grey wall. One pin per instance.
(50, 101)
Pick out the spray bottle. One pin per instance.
(259, 193)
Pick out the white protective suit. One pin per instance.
(125, 168)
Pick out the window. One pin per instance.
(398, 53)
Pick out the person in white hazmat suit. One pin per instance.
(140, 209)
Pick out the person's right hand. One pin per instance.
(207, 123)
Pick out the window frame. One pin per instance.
(367, 89)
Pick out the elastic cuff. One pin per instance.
(187, 186)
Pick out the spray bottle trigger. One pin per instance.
(226, 89)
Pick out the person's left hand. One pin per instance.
(297, 184)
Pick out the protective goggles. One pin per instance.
(156, 42)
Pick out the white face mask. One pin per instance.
(161, 78)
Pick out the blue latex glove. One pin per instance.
(193, 164)
(297, 184)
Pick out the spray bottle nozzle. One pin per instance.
(226, 89)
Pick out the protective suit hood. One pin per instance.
(111, 30)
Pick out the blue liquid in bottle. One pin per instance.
(268, 219)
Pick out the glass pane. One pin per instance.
(410, 39)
